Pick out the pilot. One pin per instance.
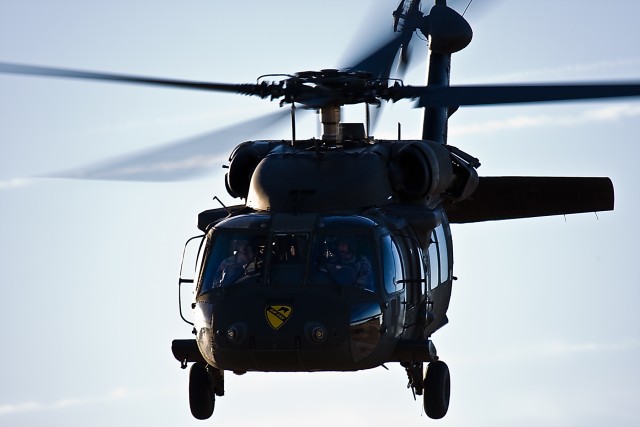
(243, 262)
(346, 256)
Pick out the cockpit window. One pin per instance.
(233, 258)
(343, 259)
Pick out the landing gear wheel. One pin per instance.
(202, 399)
(437, 388)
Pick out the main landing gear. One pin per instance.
(435, 388)
(205, 383)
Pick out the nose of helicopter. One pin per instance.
(305, 331)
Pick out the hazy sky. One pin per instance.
(544, 328)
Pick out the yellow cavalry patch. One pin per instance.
(277, 314)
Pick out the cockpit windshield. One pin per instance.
(345, 260)
(252, 254)
(234, 257)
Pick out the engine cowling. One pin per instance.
(243, 162)
(298, 180)
(419, 170)
(272, 175)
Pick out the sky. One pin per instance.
(543, 330)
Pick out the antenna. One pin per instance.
(293, 124)
(367, 116)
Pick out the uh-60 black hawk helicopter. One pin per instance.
(341, 257)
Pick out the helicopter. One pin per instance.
(402, 207)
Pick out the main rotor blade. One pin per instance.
(32, 70)
(178, 161)
(511, 197)
(444, 96)
(374, 46)
(380, 61)
(392, 39)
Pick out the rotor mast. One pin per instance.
(330, 119)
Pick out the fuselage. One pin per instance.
(333, 291)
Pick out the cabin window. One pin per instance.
(443, 252)
(438, 258)
(433, 262)
(392, 266)
(423, 276)
(343, 259)
(233, 258)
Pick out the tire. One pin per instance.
(437, 389)
(201, 397)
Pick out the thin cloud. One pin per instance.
(556, 349)
(19, 407)
(552, 350)
(14, 183)
(119, 393)
(595, 115)
(573, 70)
